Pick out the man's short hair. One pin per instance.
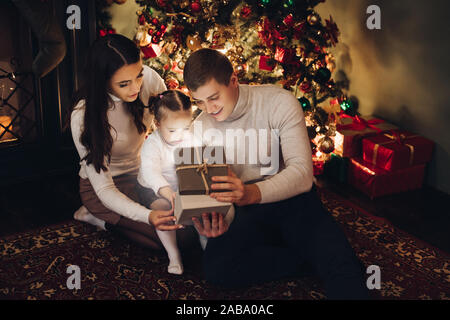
(206, 64)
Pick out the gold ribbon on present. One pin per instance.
(395, 138)
(202, 168)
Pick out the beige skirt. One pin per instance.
(127, 184)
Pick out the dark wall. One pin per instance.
(401, 72)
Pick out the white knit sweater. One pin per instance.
(125, 152)
(266, 107)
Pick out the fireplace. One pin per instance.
(18, 108)
(34, 110)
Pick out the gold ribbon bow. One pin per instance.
(201, 168)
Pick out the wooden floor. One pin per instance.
(43, 201)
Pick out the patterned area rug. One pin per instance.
(33, 265)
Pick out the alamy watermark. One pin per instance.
(259, 147)
(374, 20)
(74, 280)
(74, 20)
(374, 280)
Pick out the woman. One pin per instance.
(109, 124)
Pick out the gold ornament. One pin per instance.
(313, 19)
(184, 4)
(326, 145)
(193, 43)
(170, 47)
(181, 64)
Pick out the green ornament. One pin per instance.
(323, 75)
(265, 2)
(304, 102)
(346, 105)
(349, 107)
(288, 3)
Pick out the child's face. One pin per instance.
(174, 126)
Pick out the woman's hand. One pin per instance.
(211, 227)
(241, 194)
(163, 220)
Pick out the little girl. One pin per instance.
(172, 118)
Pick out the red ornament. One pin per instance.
(306, 86)
(155, 21)
(246, 12)
(104, 32)
(266, 63)
(196, 7)
(162, 3)
(142, 19)
(289, 21)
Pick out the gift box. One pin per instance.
(337, 168)
(196, 168)
(190, 206)
(397, 149)
(351, 130)
(318, 167)
(376, 182)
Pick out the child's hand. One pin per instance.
(167, 193)
(163, 220)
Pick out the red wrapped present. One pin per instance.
(318, 167)
(351, 130)
(397, 150)
(376, 182)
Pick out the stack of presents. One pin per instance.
(377, 157)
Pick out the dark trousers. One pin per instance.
(276, 240)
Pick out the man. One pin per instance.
(279, 223)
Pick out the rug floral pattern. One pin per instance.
(33, 265)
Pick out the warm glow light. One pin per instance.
(5, 122)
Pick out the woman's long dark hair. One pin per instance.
(105, 57)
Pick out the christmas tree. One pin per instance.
(283, 42)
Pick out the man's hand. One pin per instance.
(241, 194)
(211, 228)
(163, 220)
